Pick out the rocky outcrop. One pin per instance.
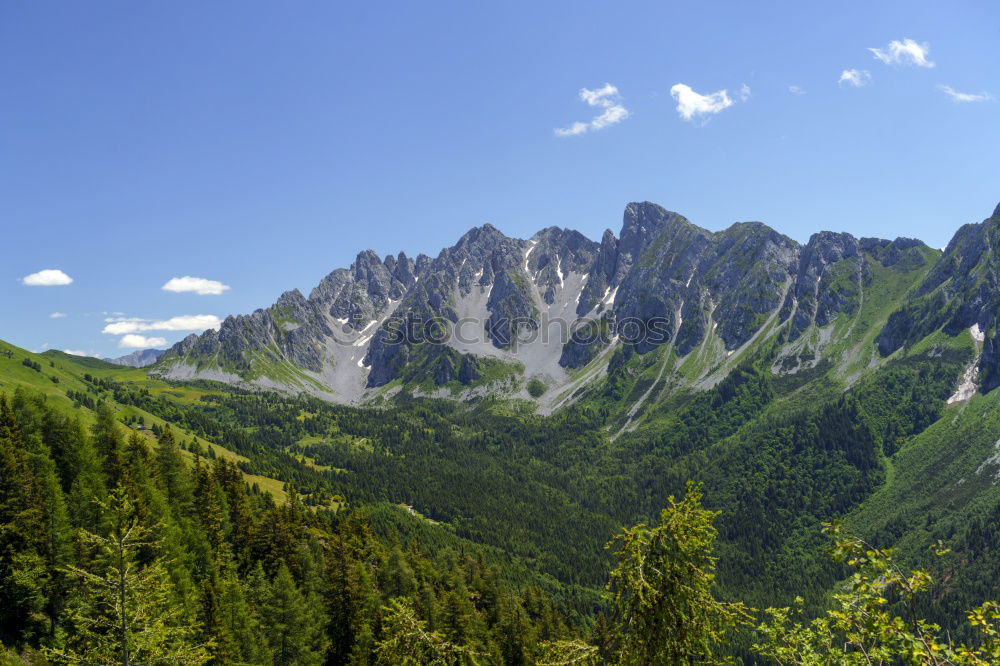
(661, 280)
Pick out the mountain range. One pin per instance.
(140, 358)
(542, 318)
(584, 384)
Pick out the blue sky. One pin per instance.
(260, 145)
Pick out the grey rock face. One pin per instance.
(297, 329)
(671, 280)
(468, 372)
(828, 281)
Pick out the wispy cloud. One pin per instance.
(744, 92)
(198, 285)
(964, 98)
(855, 77)
(691, 104)
(123, 325)
(75, 352)
(905, 52)
(50, 277)
(140, 342)
(606, 98)
(796, 90)
(57, 315)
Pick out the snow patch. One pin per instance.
(609, 296)
(528, 254)
(977, 333)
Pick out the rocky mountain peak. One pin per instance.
(292, 298)
(643, 221)
(484, 236)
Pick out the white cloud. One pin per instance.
(140, 342)
(572, 130)
(855, 77)
(57, 315)
(796, 90)
(122, 325)
(75, 352)
(50, 277)
(744, 92)
(606, 98)
(906, 52)
(198, 285)
(961, 97)
(691, 104)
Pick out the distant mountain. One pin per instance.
(492, 314)
(138, 359)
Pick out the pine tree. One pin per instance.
(296, 623)
(123, 612)
(109, 443)
(241, 520)
(662, 589)
(173, 475)
(408, 642)
(56, 530)
(87, 491)
(228, 623)
(23, 577)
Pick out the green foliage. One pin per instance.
(874, 620)
(184, 563)
(536, 387)
(295, 623)
(408, 642)
(23, 576)
(124, 611)
(662, 589)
